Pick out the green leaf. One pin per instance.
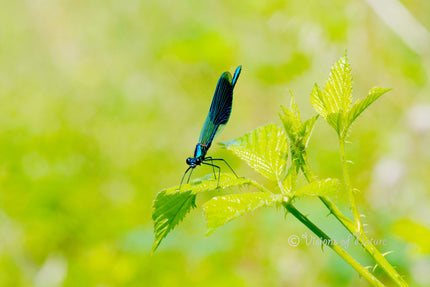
(336, 121)
(298, 133)
(294, 108)
(168, 211)
(172, 205)
(361, 105)
(338, 88)
(222, 209)
(289, 183)
(265, 149)
(208, 183)
(317, 101)
(334, 101)
(318, 188)
(292, 124)
(307, 129)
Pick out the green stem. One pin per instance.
(335, 247)
(351, 227)
(310, 177)
(355, 213)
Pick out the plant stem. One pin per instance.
(355, 213)
(310, 177)
(350, 226)
(336, 248)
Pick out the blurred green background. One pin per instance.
(102, 101)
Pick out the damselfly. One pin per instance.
(219, 114)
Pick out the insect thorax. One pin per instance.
(200, 151)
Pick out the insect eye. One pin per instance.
(189, 161)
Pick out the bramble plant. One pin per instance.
(266, 150)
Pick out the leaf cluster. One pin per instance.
(334, 101)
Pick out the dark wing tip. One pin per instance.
(225, 76)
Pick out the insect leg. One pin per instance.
(183, 177)
(226, 164)
(219, 170)
(189, 176)
(210, 158)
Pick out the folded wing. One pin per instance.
(220, 110)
